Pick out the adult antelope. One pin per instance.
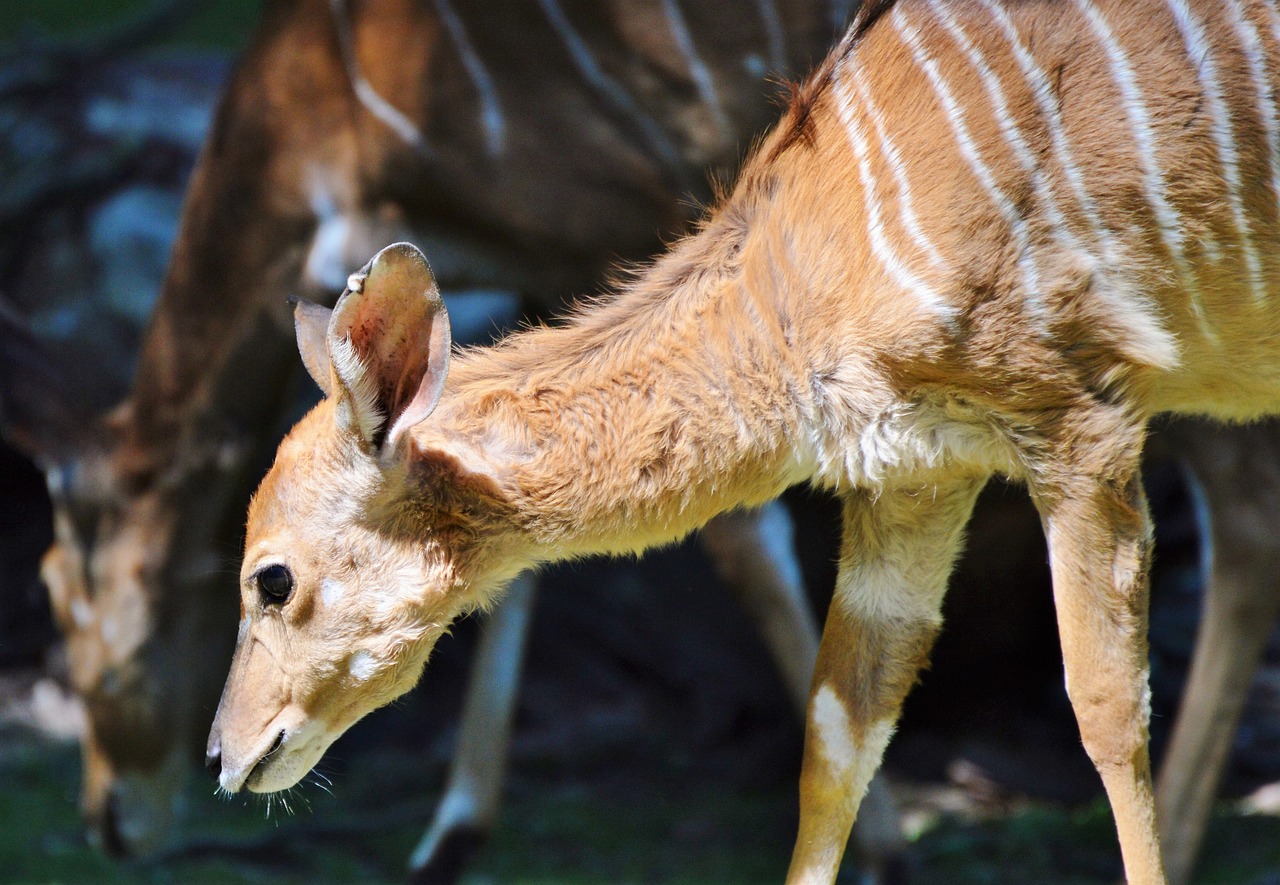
(984, 239)
(347, 125)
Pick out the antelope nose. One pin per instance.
(213, 760)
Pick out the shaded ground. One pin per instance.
(660, 819)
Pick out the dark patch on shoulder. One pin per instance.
(798, 125)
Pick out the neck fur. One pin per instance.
(640, 420)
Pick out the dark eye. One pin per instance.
(275, 583)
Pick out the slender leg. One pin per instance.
(897, 552)
(753, 551)
(1099, 544)
(1237, 496)
(469, 808)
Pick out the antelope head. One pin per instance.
(363, 541)
(128, 616)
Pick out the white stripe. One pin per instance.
(774, 33)
(606, 87)
(374, 103)
(880, 246)
(1008, 126)
(908, 213)
(1133, 309)
(490, 109)
(697, 68)
(1256, 56)
(1047, 101)
(1201, 56)
(964, 139)
(1167, 221)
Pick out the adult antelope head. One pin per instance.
(130, 606)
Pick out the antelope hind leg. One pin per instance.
(886, 611)
(1238, 492)
(467, 812)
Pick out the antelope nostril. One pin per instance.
(213, 763)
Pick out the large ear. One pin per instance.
(389, 344)
(311, 324)
(39, 411)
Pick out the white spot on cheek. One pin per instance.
(110, 631)
(831, 721)
(362, 665)
(331, 591)
(81, 613)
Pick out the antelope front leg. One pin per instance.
(469, 807)
(897, 552)
(1099, 546)
(754, 552)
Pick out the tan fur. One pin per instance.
(778, 345)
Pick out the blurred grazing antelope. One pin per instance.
(346, 126)
(984, 238)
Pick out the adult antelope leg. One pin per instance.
(1099, 547)
(1238, 475)
(753, 551)
(899, 547)
(467, 812)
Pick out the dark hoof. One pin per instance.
(451, 857)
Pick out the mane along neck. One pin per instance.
(645, 416)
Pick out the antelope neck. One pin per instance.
(639, 421)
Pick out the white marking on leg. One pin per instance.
(1166, 217)
(698, 70)
(851, 765)
(490, 109)
(1201, 57)
(880, 245)
(969, 150)
(834, 731)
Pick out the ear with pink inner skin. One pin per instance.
(311, 324)
(388, 344)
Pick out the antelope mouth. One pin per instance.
(254, 778)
